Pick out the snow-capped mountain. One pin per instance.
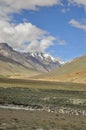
(46, 60)
(43, 56)
(32, 60)
(46, 57)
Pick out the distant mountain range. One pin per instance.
(37, 62)
(74, 71)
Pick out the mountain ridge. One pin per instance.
(29, 60)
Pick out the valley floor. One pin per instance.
(42, 105)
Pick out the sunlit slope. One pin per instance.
(74, 71)
(15, 70)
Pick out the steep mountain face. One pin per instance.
(74, 71)
(36, 61)
(8, 52)
(45, 60)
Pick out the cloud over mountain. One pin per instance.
(24, 36)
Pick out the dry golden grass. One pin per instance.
(74, 71)
(12, 70)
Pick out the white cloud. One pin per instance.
(77, 24)
(25, 36)
(78, 2)
(14, 6)
(41, 45)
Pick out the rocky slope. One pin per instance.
(42, 59)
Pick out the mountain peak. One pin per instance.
(46, 57)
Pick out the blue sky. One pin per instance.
(58, 28)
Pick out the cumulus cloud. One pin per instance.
(43, 44)
(77, 24)
(24, 36)
(78, 2)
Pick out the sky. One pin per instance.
(57, 27)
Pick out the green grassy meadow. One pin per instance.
(28, 92)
